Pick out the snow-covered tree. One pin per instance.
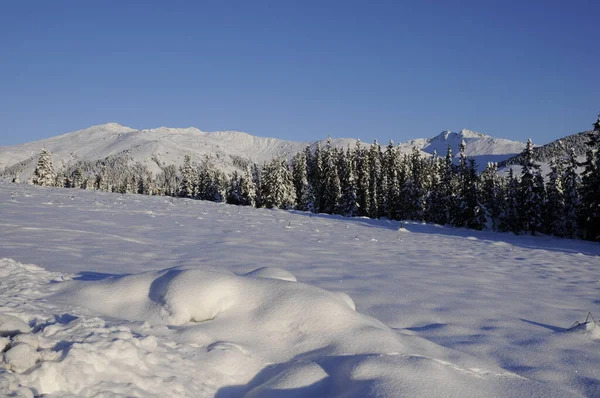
(374, 159)
(511, 220)
(571, 183)
(492, 193)
(167, 181)
(233, 193)
(554, 209)
(211, 181)
(348, 203)
(248, 188)
(44, 171)
(589, 212)
(187, 181)
(392, 187)
(331, 189)
(531, 191)
(473, 210)
(316, 178)
(361, 165)
(300, 177)
(277, 184)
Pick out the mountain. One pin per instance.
(545, 153)
(151, 147)
(480, 147)
(229, 149)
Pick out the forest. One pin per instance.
(371, 181)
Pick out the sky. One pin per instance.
(301, 70)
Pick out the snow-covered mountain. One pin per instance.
(166, 146)
(480, 147)
(152, 146)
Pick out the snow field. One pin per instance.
(149, 296)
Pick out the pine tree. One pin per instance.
(413, 189)
(248, 188)
(392, 188)
(331, 189)
(167, 181)
(531, 190)
(461, 214)
(361, 165)
(187, 181)
(277, 184)
(300, 177)
(589, 210)
(233, 194)
(554, 208)
(257, 182)
(348, 202)
(44, 172)
(448, 192)
(474, 210)
(316, 178)
(492, 196)
(571, 182)
(77, 178)
(511, 220)
(374, 159)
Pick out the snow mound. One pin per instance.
(11, 326)
(272, 273)
(189, 332)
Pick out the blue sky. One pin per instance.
(301, 70)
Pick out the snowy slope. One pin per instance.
(170, 145)
(154, 296)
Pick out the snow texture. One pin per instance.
(153, 296)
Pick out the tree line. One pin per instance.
(371, 181)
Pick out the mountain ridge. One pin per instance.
(168, 145)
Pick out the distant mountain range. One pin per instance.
(229, 149)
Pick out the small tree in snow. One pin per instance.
(44, 172)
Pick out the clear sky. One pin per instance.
(301, 70)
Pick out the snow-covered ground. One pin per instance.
(154, 296)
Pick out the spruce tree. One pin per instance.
(330, 182)
(248, 189)
(554, 207)
(361, 165)
(187, 181)
(374, 159)
(300, 177)
(44, 172)
(531, 190)
(234, 190)
(589, 210)
(317, 178)
(571, 183)
(474, 210)
(348, 202)
(492, 193)
(511, 220)
(392, 189)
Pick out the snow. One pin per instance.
(153, 296)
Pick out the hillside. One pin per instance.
(545, 153)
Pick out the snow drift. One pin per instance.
(203, 332)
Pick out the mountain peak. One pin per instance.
(462, 134)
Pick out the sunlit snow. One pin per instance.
(126, 295)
